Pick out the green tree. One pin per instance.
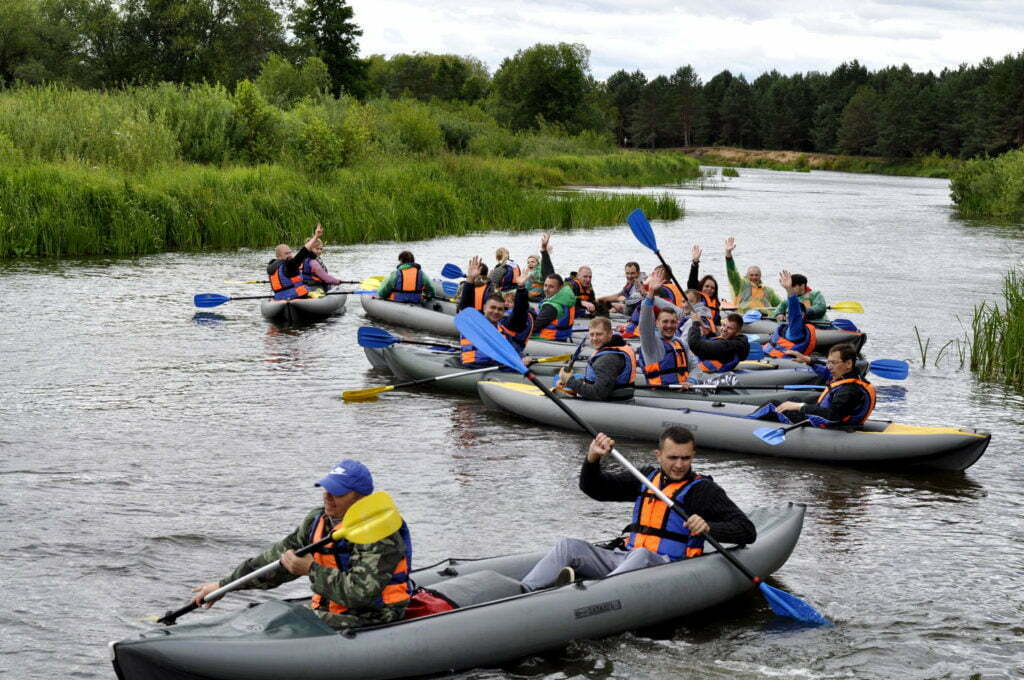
(858, 129)
(624, 90)
(325, 29)
(736, 114)
(550, 83)
(426, 76)
(834, 92)
(651, 123)
(685, 103)
(709, 128)
(284, 84)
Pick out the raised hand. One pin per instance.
(695, 253)
(473, 269)
(544, 239)
(655, 281)
(786, 280)
(524, 276)
(730, 245)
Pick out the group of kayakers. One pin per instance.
(682, 333)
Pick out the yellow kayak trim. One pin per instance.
(526, 388)
(899, 428)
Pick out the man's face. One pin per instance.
(668, 324)
(800, 288)
(337, 506)
(837, 367)
(494, 310)
(632, 274)
(550, 287)
(754, 276)
(598, 336)
(531, 262)
(675, 459)
(730, 329)
(584, 275)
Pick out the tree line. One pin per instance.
(893, 112)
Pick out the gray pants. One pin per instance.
(588, 561)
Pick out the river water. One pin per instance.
(145, 449)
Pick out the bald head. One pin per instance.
(754, 275)
(283, 251)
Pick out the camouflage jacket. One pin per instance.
(358, 588)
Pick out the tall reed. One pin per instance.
(997, 346)
(991, 188)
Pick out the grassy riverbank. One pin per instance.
(997, 346)
(991, 188)
(931, 165)
(167, 168)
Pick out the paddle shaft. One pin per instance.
(718, 388)
(170, 617)
(662, 260)
(271, 297)
(643, 480)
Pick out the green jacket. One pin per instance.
(392, 279)
(742, 290)
(816, 311)
(370, 569)
(561, 300)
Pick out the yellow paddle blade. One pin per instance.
(365, 395)
(259, 281)
(371, 282)
(370, 519)
(553, 360)
(851, 306)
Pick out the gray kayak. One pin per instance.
(826, 334)
(723, 427)
(434, 316)
(412, 363)
(303, 309)
(493, 623)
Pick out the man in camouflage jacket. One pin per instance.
(371, 566)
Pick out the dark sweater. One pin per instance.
(607, 368)
(727, 522)
(846, 400)
(717, 349)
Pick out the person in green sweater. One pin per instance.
(748, 292)
(812, 300)
(407, 283)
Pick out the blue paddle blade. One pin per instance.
(752, 316)
(784, 604)
(641, 229)
(376, 338)
(210, 300)
(770, 435)
(845, 325)
(474, 326)
(452, 271)
(756, 351)
(449, 288)
(804, 387)
(893, 369)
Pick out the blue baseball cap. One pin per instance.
(347, 475)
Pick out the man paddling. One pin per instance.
(353, 584)
(285, 270)
(749, 292)
(611, 370)
(656, 534)
(847, 400)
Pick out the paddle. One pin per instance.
(377, 338)
(718, 388)
(754, 316)
(644, 233)
(370, 519)
(756, 351)
(482, 334)
(372, 392)
(452, 271)
(450, 288)
(215, 300)
(774, 436)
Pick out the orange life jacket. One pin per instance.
(583, 293)
(854, 418)
(657, 528)
(778, 344)
(673, 368)
(337, 555)
(561, 327)
(287, 287)
(408, 285)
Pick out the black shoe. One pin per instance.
(566, 576)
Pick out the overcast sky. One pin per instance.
(744, 36)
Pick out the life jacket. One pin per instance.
(626, 377)
(520, 338)
(714, 366)
(338, 556)
(778, 344)
(583, 293)
(714, 305)
(860, 416)
(657, 528)
(510, 275)
(675, 295)
(751, 297)
(561, 327)
(481, 291)
(408, 285)
(535, 288)
(308, 277)
(285, 287)
(673, 368)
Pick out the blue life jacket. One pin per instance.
(626, 377)
(285, 287)
(673, 368)
(408, 285)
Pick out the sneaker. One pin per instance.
(566, 576)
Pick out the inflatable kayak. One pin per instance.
(407, 363)
(493, 621)
(723, 427)
(434, 316)
(303, 309)
(826, 334)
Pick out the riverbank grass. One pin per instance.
(992, 188)
(997, 347)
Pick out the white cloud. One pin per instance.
(744, 36)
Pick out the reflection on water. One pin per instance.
(150, 419)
